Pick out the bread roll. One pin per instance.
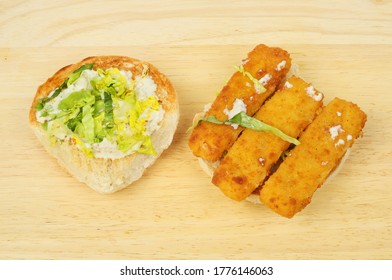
(105, 163)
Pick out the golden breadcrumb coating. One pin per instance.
(249, 160)
(323, 144)
(209, 141)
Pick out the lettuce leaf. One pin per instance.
(74, 75)
(258, 86)
(41, 103)
(73, 122)
(147, 147)
(99, 130)
(112, 82)
(88, 124)
(108, 120)
(76, 100)
(246, 121)
(99, 107)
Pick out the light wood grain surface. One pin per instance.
(343, 47)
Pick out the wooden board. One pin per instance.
(174, 212)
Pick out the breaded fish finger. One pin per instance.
(323, 144)
(269, 66)
(248, 162)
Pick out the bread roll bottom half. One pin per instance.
(259, 166)
(106, 119)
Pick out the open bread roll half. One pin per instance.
(106, 119)
(277, 145)
(209, 168)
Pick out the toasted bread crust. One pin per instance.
(109, 175)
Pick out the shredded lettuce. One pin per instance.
(109, 109)
(73, 121)
(113, 82)
(45, 126)
(76, 74)
(88, 124)
(72, 78)
(58, 129)
(76, 100)
(41, 103)
(108, 121)
(246, 121)
(147, 147)
(258, 86)
(99, 130)
(99, 107)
